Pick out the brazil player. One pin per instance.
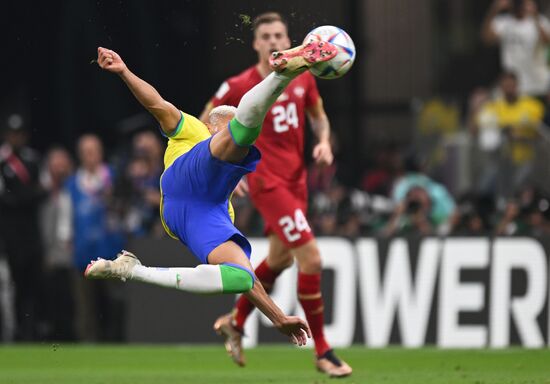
(278, 189)
(200, 173)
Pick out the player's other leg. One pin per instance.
(311, 299)
(205, 278)
(231, 326)
(229, 271)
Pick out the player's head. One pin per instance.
(90, 151)
(59, 165)
(520, 8)
(509, 85)
(270, 34)
(15, 133)
(219, 117)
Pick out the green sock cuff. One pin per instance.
(236, 279)
(242, 135)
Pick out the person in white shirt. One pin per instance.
(523, 35)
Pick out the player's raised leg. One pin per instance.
(232, 144)
(231, 325)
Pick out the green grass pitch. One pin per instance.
(143, 364)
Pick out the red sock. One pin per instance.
(243, 307)
(309, 294)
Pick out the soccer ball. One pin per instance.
(340, 64)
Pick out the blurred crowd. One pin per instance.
(475, 168)
(58, 214)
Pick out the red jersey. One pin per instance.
(281, 141)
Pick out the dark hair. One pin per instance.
(508, 75)
(268, 18)
(517, 6)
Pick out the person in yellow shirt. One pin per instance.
(517, 118)
(203, 164)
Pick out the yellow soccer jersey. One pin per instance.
(189, 132)
(522, 117)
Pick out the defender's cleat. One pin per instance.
(120, 268)
(232, 338)
(332, 366)
(302, 57)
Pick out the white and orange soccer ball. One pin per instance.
(340, 64)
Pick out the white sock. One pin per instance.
(257, 101)
(204, 278)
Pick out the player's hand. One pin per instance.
(322, 154)
(295, 328)
(110, 60)
(241, 189)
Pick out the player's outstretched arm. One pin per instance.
(164, 112)
(294, 327)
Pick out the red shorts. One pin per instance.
(284, 212)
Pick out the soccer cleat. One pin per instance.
(120, 268)
(302, 57)
(332, 366)
(233, 338)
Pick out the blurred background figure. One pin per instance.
(523, 36)
(474, 215)
(56, 224)
(527, 213)
(423, 206)
(20, 197)
(508, 130)
(96, 233)
(136, 192)
(7, 300)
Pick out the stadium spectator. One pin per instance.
(485, 135)
(517, 119)
(528, 213)
(474, 215)
(20, 196)
(96, 234)
(56, 226)
(422, 205)
(7, 301)
(387, 166)
(523, 35)
(324, 208)
(136, 193)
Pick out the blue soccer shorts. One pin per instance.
(195, 193)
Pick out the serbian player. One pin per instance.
(278, 189)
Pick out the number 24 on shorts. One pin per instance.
(293, 227)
